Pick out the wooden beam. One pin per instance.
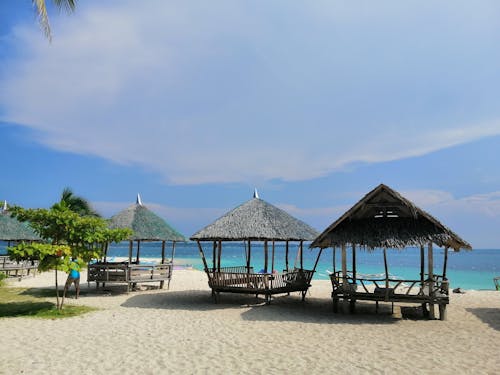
(334, 259)
(386, 269)
(272, 258)
(219, 248)
(286, 255)
(173, 252)
(301, 255)
(214, 255)
(422, 265)
(266, 260)
(130, 246)
(430, 261)
(445, 263)
(163, 252)
(200, 249)
(344, 276)
(138, 251)
(354, 262)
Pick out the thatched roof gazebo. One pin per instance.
(146, 227)
(13, 230)
(256, 220)
(383, 219)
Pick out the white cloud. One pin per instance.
(201, 92)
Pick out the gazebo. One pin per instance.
(12, 230)
(256, 220)
(384, 219)
(146, 227)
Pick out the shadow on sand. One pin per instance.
(283, 308)
(488, 315)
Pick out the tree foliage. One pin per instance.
(68, 236)
(76, 203)
(43, 17)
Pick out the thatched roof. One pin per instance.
(146, 225)
(384, 218)
(256, 220)
(12, 229)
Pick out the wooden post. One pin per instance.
(163, 252)
(422, 265)
(301, 255)
(214, 255)
(445, 264)
(219, 248)
(272, 259)
(248, 261)
(386, 269)
(334, 259)
(344, 278)
(138, 251)
(354, 263)
(130, 246)
(430, 261)
(265, 256)
(316, 263)
(200, 249)
(286, 256)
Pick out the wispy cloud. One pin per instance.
(226, 92)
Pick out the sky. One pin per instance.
(193, 104)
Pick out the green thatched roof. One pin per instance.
(256, 220)
(12, 229)
(146, 225)
(384, 218)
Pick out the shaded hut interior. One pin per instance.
(255, 222)
(146, 227)
(383, 220)
(12, 232)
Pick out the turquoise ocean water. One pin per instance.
(466, 269)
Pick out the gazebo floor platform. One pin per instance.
(129, 273)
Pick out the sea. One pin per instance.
(466, 269)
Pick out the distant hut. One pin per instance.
(385, 219)
(146, 227)
(256, 220)
(14, 231)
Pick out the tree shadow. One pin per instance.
(24, 308)
(282, 308)
(489, 315)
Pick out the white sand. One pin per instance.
(182, 331)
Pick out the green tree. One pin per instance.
(77, 204)
(43, 17)
(68, 236)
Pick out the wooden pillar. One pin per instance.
(130, 246)
(265, 256)
(219, 251)
(301, 255)
(334, 259)
(272, 259)
(138, 251)
(214, 255)
(163, 252)
(344, 278)
(354, 263)
(386, 269)
(422, 265)
(286, 255)
(316, 263)
(249, 255)
(205, 265)
(173, 252)
(445, 263)
(430, 261)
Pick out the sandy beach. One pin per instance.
(182, 331)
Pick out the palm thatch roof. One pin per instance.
(384, 218)
(146, 225)
(12, 229)
(256, 220)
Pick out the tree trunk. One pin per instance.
(59, 307)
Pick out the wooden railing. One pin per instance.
(239, 277)
(130, 273)
(390, 286)
(17, 269)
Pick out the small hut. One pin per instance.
(256, 220)
(14, 231)
(384, 219)
(146, 227)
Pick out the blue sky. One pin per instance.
(193, 104)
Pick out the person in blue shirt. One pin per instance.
(73, 277)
